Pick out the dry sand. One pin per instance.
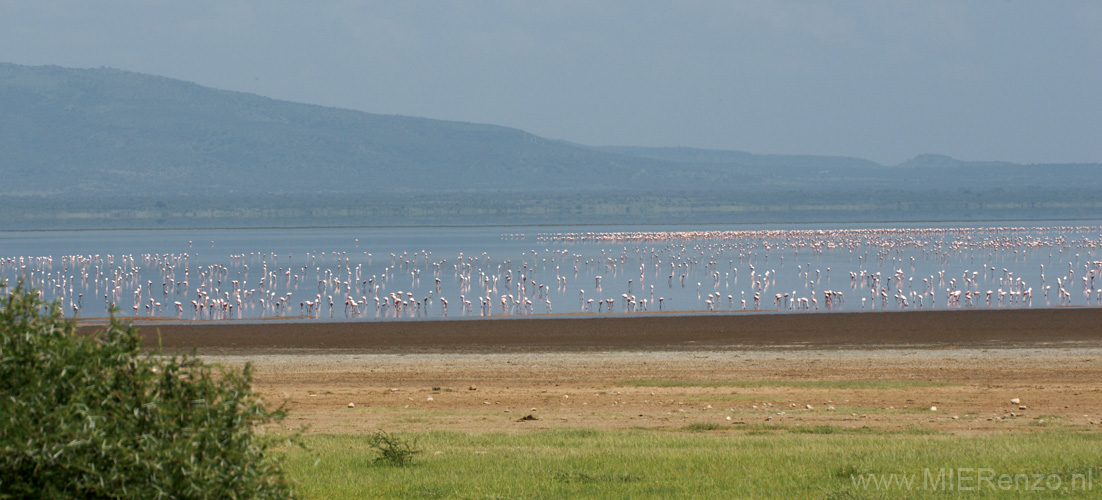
(485, 375)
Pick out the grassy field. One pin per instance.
(706, 461)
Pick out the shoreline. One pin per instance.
(985, 371)
(708, 331)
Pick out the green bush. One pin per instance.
(392, 449)
(95, 417)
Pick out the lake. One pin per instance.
(424, 273)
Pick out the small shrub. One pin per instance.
(393, 449)
(94, 417)
(702, 427)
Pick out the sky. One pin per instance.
(1008, 80)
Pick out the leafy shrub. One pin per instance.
(393, 449)
(94, 417)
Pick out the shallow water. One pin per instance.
(375, 274)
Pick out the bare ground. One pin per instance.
(755, 370)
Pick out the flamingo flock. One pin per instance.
(592, 273)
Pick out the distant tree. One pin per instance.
(95, 417)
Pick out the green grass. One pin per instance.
(702, 427)
(811, 462)
(802, 384)
(733, 398)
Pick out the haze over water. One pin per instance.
(375, 274)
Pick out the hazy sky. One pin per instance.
(885, 80)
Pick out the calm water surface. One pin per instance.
(376, 274)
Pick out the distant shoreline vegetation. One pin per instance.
(336, 209)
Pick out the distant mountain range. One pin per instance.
(104, 133)
(99, 130)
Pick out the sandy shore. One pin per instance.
(741, 372)
(665, 332)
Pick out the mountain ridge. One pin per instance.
(92, 131)
(111, 145)
(116, 123)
